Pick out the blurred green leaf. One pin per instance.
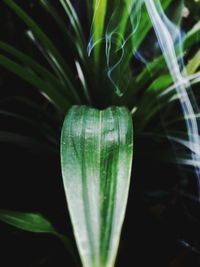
(193, 64)
(99, 11)
(76, 24)
(36, 81)
(34, 144)
(37, 68)
(35, 223)
(31, 222)
(52, 52)
(193, 36)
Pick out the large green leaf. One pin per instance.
(96, 158)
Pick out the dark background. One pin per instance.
(161, 226)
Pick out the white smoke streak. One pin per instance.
(192, 79)
(114, 41)
(167, 35)
(181, 83)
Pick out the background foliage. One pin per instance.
(162, 221)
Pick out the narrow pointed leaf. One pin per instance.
(193, 36)
(96, 158)
(34, 80)
(35, 223)
(35, 145)
(99, 11)
(31, 222)
(37, 68)
(48, 46)
(74, 20)
(44, 39)
(193, 64)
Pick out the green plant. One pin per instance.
(101, 72)
(96, 158)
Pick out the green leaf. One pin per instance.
(75, 23)
(154, 67)
(31, 222)
(54, 56)
(99, 10)
(96, 159)
(27, 60)
(37, 68)
(28, 142)
(193, 64)
(141, 21)
(34, 80)
(71, 40)
(35, 223)
(41, 127)
(193, 36)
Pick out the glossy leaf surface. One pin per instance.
(96, 156)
